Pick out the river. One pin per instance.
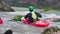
(20, 28)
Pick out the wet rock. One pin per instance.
(56, 19)
(8, 32)
(5, 7)
(51, 30)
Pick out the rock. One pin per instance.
(5, 7)
(51, 30)
(8, 32)
(56, 19)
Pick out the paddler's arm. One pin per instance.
(26, 16)
(39, 15)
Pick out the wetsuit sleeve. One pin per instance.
(26, 16)
(38, 14)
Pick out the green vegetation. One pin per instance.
(17, 17)
(41, 4)
(46, 5)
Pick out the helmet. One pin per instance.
(31, 8)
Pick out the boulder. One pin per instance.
(5, 7)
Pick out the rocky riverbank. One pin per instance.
(5, 7)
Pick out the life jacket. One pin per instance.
(34, 16)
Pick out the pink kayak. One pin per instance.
(1, 22)
(39, 23)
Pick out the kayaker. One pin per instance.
(33, 16)
(8, 32)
